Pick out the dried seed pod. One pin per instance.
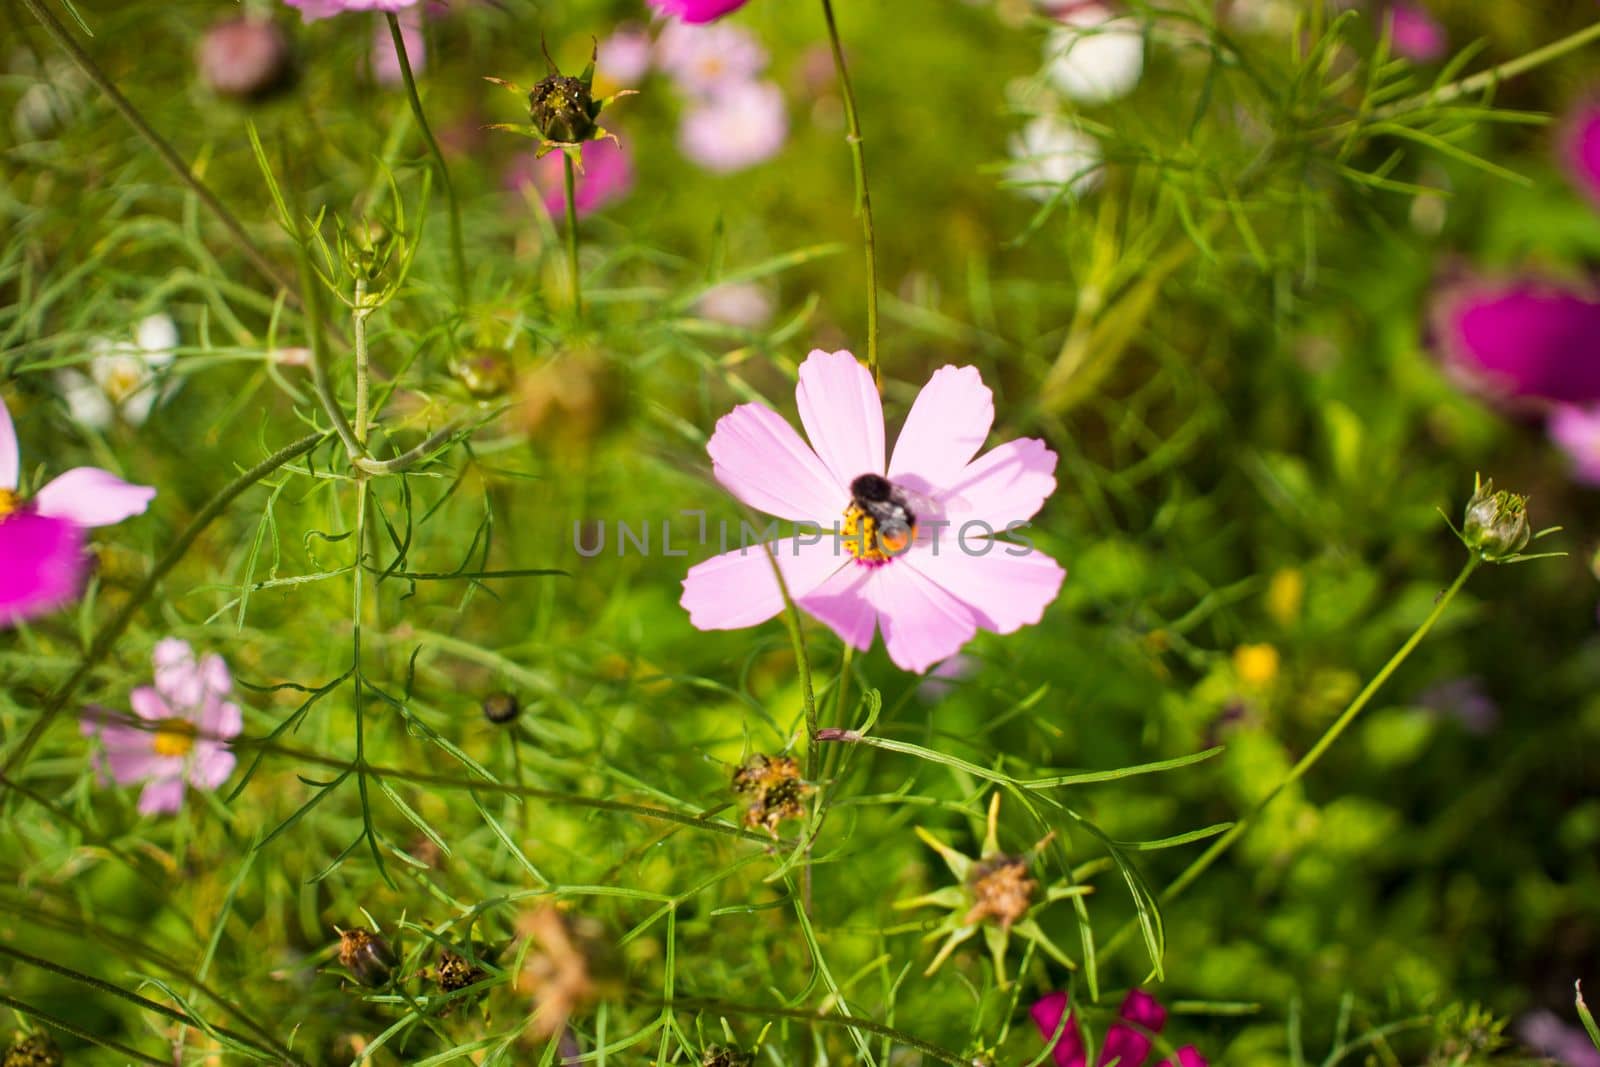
(1001, 889)
(776, 791)
(722, 1056)
(367, 956)
(33, 1050)
(501, 708)
(454, 971)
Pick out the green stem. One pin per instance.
(572, 233)
(76, 1030)
(258, 259)
(409, 458)
(1495, 75)
(112, 630)
(1309, 760)
(361, 313)
(858, 157)
(457, 255)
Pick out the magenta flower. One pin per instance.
(703, 61)
(42, 539)
(1416, 34)
(1521, 340)
(929, 581)
(697, 10)
(183, 730)
(311, 10)
(1580, 144)
(607, 176)
(743, 124)
(1127, 1042)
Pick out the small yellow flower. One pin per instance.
(1256, 665)
(1285, 594)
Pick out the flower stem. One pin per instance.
(1309, 760)
(572, 233)
(360, 317)
(108, 634)
(1495, 75)
(457, 256)
(863, 194)
(258, 259)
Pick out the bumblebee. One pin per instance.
(889, 508)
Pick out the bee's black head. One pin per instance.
(872, 487)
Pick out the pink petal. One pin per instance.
(1415, 33)
(759, 458)
(843, 604)
(90, 496)
(947, 425)
(211, 766)
(1004, 592)
(1007, 484)
(45, 565)
(163, 796)
(221, 719)
(1521, 340)
(921, 623)
(149, 704)
(1068, 1049)
(178, 677)
(842, 414)
(1145, 1010)
(1188, 1056)
(1581, 148)
(131, 765)
(738, 589)
(697, 10)
(10, 455)
(214, 673)
(1129, 1046)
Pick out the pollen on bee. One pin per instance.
(863, 540)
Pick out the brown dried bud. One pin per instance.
(455, 971)
(501, 708)
(1001, 889)
(776, 791)
(34, 1050)
(721, 1056)
(246, 58)
(563, 109)
(367, 956)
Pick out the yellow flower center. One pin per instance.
(9, 502)
(174, 737)
(123, 382)
(863, 541)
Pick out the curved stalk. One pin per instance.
(571, 183)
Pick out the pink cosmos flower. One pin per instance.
(705, 60)
(697, 10)
(42, 539)
(385, 60)
(1416, 34)
(187, 724)
(607, 176)
(1577, 431)
(1127, 1042)
(1580, 145)
(311, 10)
(1521, 340)
(930, 582)
(624, 57)
(742, 125)
(1547, 1034)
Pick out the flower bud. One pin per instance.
(245, 58)
(722, 1056)
(367, 245)
(455, 971)
(484, 372)
(34, 1050)
(563, 109)
(1496, 523)
(367, 956)
(501, 708)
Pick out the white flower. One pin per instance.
(124, 378)
(1092, 57)
(742, 304)
(1050, 153)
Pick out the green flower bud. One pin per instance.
(367, 956)
(367, 246)
(1496, 523)
(563, 109)
(34, 1050)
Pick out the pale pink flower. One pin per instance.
(743, 304)
(624, 57)
(182, 733)
(697, 10)
(311, 10)
(385, 60)
(1577, 431)
(705, 60)
(1094, 56)
(744, 124)
(43, 562)
(930, 590)
(607, 176)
